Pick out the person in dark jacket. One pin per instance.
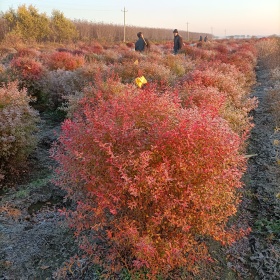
(142, 43)
(178, 41)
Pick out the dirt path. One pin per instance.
(264, 184)
(34, 241)
(258, 255)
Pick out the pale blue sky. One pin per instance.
(220, 17)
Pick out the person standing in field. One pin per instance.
(178, 41)
(205, 38)
(141, 44)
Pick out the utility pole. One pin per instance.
(188, 31)
(124, 11)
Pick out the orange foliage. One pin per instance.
(65, 60)
(149, 178)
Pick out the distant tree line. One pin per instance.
(115, 33)
(29, 24)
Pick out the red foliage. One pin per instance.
(94, 47)
(65, 60)
(130, 45)
(197, 52)
(205, 97)
(230, 97)
(242, 56)
(225, 77)
(27, 68)
(222, 48)
(149, 177)
(29, 52)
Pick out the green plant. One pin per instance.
(265, 226)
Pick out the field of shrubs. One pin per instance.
(152, 172)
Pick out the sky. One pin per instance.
(217, 17)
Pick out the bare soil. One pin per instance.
(35, 241)
(258, 255)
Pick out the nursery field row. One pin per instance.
(153, 169)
